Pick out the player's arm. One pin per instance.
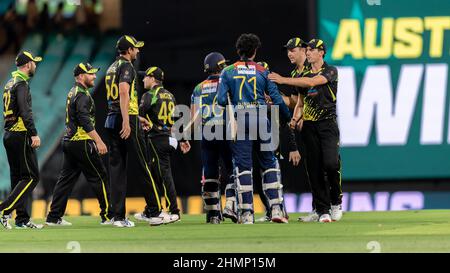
(223, 90)
(290, 101)
(293, 101)
(195, 112)
(298, 112)
(126, 75)
(26, 113)
(304, 82)
(82, 104)
(328, 75)
(274, 94)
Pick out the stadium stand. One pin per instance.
(53, 79)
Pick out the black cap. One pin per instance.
(264, 64)
(214, 62)
(84, 68)
(26, 56)
(127, 41)
(295, 42)
(317, 43)
(154, 72)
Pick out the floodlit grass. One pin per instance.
(405, 231)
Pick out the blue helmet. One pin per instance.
(214, 62)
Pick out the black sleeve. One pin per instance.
(126, 73)
(145, 105)
(24, 107)
(330, 73)
(83, 106)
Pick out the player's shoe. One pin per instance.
(156, 220)
(29, 224)
(311, 217)
(214, 220)
(247, 218)
(278, 215)
(230, 214)
(336, 212)
(4, 221)
(124, 223)
(169, 218)
(325, 218)
(141, 217)
(107, 222)
(60, 222)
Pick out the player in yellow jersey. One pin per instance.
(125, 134)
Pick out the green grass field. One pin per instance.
(405, 231)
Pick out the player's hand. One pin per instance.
(293, 123)
(276, 78)
(294, 157)
(268, 99)
(144, 123)
(101, 147)
(185, 147)
(35, 142)
(126, 130)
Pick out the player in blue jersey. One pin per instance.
(243, 85)
(214, 149)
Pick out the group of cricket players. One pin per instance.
(239, 110)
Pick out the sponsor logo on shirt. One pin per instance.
(250, 70)
(209, 88)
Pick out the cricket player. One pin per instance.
(243, 84)
(125, 135)
(291, 139)
(157, 110)
(21, 141)
(82, 147)
(204, 106)
(296, 53)
(320, 130)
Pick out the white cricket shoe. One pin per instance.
(141, 217)
(247, 218)
(325, 218)
(278, 215)
(336, 212)
(107, 222)
(124, 223)
(156, 221)
(311, 217)
(60, 222)
(215, 220)
(168, 217)
(4, 221)
(29, 224)
(229, 213)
